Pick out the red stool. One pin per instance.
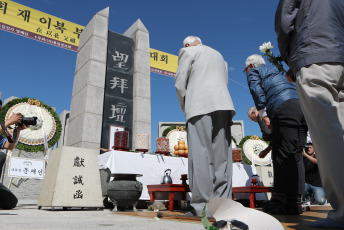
(171, 189)
(252, 190)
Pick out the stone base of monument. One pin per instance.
(72, 179)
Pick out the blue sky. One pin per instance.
(234, 28)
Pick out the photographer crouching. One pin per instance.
(313, 184)
(7, 199)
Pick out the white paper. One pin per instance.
(226, 209)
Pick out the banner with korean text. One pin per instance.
(34, 24)
(163, 63)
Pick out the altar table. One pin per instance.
(153, 166)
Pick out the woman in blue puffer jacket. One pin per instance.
(272, 92)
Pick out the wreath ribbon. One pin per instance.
(39, 111)
(34, 102)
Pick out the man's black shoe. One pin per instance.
(278, 208)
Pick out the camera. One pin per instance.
(306, 147)
(28, 121)
(25, 121)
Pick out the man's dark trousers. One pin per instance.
(289, 131)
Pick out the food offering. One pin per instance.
(176, 135)
(236, 155)
(181, 149)
(142, 142)
(162, 146)
(121, 141)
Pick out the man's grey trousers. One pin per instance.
(210, 157)
(321, 92)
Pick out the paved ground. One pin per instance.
(27, 216)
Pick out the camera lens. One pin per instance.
(29, 120)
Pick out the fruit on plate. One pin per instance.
(181, 142)
(181, 148)
(176, 137)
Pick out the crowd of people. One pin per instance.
(311, 42)
(310, 35)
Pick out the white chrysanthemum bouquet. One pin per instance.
(276, 61)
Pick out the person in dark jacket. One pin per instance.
(272, 91)
(313, 184)
(7, 199)
(311, 40)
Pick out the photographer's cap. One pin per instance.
(309, 139)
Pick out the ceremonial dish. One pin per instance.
(162, 146)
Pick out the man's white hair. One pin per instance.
(250, 110)
(191, 40)
(254, 59)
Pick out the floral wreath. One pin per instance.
(241, 146)
(47, 112)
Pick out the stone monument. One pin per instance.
(111, 89)
(89, 125)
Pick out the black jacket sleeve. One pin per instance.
(267, 136)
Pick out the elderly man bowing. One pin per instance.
(202, 90)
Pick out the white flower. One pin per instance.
(266, 46)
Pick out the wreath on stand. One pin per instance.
(241, 146)
(169, 130)
(48, 122)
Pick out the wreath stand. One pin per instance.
(48, 138)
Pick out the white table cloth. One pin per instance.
(152, 167)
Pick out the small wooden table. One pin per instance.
(171, 189)
(252, 190)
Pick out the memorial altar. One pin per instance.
(153, 166)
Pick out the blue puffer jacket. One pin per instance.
(269, 88)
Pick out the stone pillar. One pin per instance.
(64, 118)
(85, 122)
(238, 131)
(142, 87)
